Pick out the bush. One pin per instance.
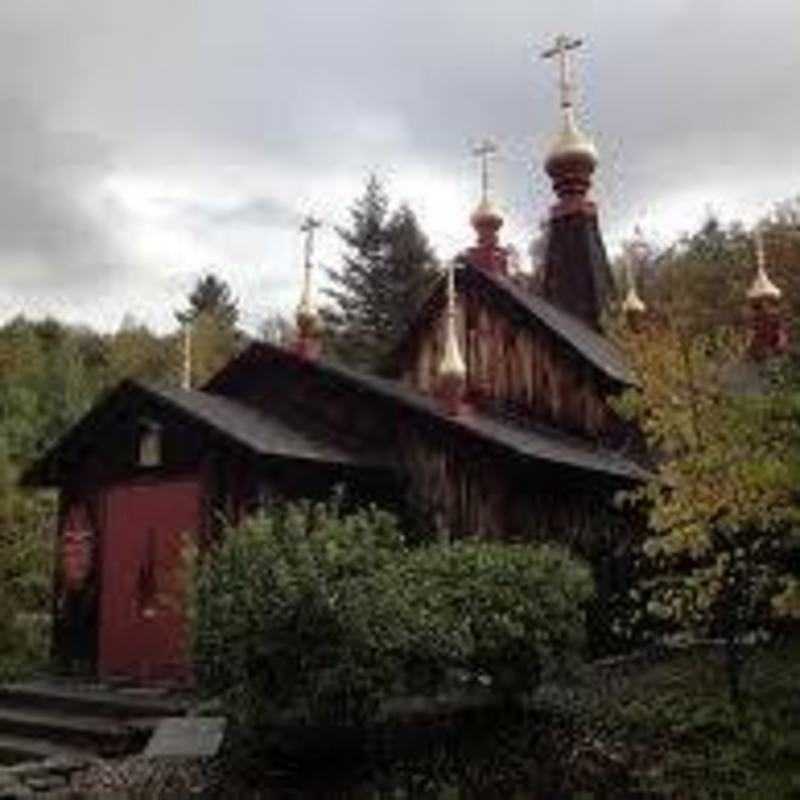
(325, 615)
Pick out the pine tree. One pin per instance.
(383, 279)
(212, 313)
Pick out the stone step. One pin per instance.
(100, 733)
(15, 749)
(92, 701)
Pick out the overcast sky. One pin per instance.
(145, 141)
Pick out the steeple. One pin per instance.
(487, 220)
(452, 375)
(769, 333)
(576, 274)
(636, 254)
(307, 343)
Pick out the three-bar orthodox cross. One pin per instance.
(485, 150)
(310, 224)
(560, 50)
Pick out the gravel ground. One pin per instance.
(140, 778)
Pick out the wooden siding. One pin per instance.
(466, 491)
(513, 366)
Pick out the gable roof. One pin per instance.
(594, 348)
(528, 442)
(243, 425)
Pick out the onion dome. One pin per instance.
(452, 363)
(570, 144)
(452, 375)
(762, 288)
(632, 304)
(486, 215)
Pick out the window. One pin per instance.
(149, 444)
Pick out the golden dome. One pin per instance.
(762, 288)
(452, 363)
(571, 143)
(486, 212)
(632, 304)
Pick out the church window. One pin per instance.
(149, 454)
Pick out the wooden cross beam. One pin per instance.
(561, 47)
(485, 150)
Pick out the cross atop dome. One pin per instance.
(572, 156)
(486, 219)
(560, 50)
(307, 343)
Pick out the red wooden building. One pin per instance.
(497, 426)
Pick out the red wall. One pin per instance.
(142, 624)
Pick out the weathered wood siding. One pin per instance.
(466, 490)
(515, 366)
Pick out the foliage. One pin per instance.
(328, 615)
(722, 507)
(384, 277)
(699, 280)
(211, 318)
(211, 295)
(681, 736)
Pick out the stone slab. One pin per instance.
(187, 737)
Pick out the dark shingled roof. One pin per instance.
(262, 434)
(541, 444)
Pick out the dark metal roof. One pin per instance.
(261, 433)
(541, 444)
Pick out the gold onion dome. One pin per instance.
(570, 143)
(486, 213)
(762, 288)
(452, 365)
(632, 304)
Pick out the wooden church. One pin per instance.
(498, 426)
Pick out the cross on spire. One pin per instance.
(309, 225)
(485, 150)
(560, 50)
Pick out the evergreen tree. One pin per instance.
(383, 279)
(212, 313)
(213, 296)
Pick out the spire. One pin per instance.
(452, 370)
(571, 158)
(769, 333)
(487, 219)
(186, 376)
(307, 343)
(637, 252)
(575, 275)
(762, 288)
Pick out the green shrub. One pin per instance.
(327, 615)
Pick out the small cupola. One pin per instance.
(487, 219)
(571, 157)
(768, 328)
(636, 254)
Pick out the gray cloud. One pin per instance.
(683, 98)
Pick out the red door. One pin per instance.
(142, 621)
